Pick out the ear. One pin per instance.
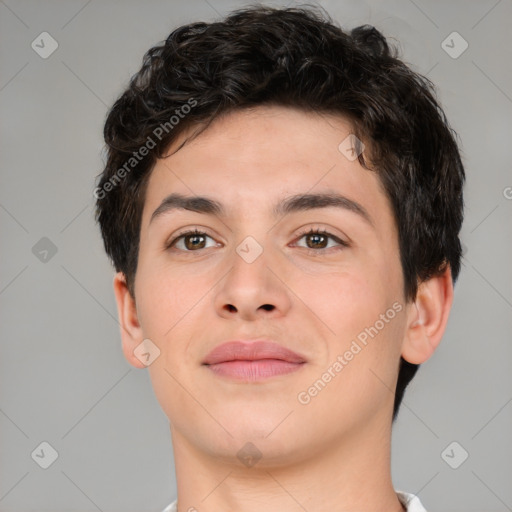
(131, 332)
(427, 317)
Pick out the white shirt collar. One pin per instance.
(411, 501)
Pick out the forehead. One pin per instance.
(251, 159)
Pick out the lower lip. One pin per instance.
(254, 370)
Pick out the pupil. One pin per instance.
(193, 237)
(316, 237)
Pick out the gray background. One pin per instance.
(64, 379)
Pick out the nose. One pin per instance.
(253, 289)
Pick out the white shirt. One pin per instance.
(411, 502)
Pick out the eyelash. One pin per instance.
(304, 233)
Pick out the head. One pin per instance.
(249, 111)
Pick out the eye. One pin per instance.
(190, 240)
(316, 239)
(319, 239)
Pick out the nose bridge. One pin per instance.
(251, 286)
(253, 240)
(250, 249)
(250, 263)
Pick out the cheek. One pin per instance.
(363, 308)
(346, 300)
(169, 314)
(171, 311)
(165, 297)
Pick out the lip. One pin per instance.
(252, 360)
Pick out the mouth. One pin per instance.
(252, 361)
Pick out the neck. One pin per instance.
(353, 475)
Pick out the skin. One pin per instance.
(332, 453)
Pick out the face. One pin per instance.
(334, 297)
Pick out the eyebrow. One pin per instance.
(292, 204)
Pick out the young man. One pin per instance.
(282, 202)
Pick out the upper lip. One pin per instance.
(251, 351)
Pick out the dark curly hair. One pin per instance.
(295, 57)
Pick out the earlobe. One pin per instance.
(428, 317)
(131, 331)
